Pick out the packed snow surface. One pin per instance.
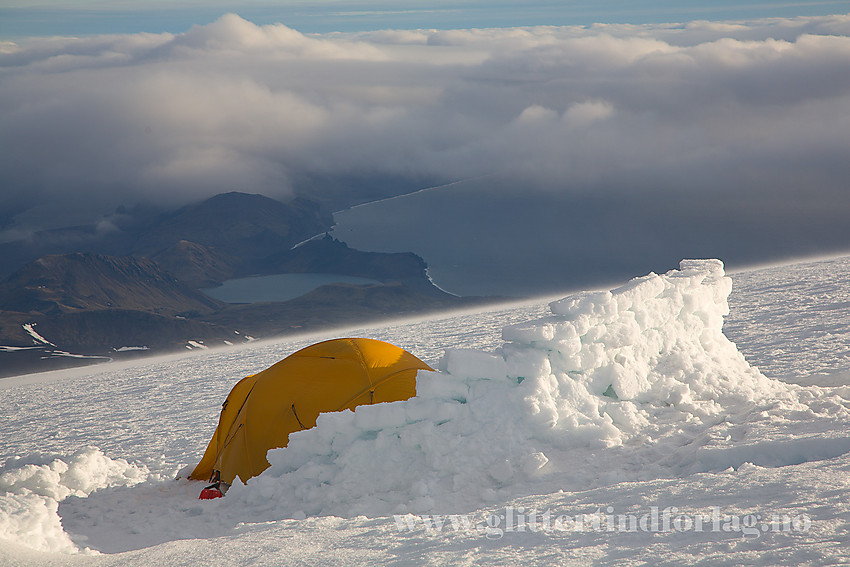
(592, 409)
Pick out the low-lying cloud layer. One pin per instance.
(756, 112)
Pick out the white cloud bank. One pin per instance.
(759, 109)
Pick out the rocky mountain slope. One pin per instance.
(74, 308)
(234, 226)
(70, 283)
(242, 226)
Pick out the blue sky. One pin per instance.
(23, 18)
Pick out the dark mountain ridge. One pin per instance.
(197, 265)
(71, 309)
(58, 284)
(236, 226)
(148, 299)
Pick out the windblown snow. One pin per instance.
(605, 398)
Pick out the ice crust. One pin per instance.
(601, 371)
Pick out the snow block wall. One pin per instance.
(604, 370)
(658, 339)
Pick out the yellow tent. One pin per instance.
(263, 409)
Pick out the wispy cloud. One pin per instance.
(759, 109)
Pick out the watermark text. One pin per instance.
(605, 520)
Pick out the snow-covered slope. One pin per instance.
(605, 427)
